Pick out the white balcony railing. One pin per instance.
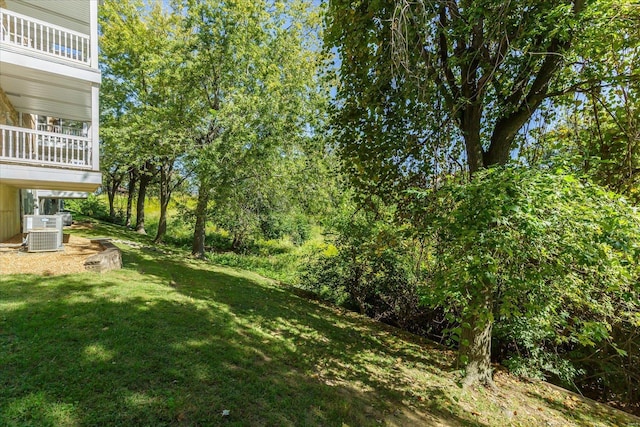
(67, 130)
(22, 145)
(40, 36)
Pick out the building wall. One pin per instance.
(8, 114)
(9, 195)
(9, 212)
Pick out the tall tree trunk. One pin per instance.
(112, 209)
(165, 196)
(199, 231)
(133, 181)
(238, 241)
(204, 190)
(112, 187)
(471, 125)
(475, 341)
(145, 180)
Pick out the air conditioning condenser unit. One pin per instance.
(43, 240)
(43, 224)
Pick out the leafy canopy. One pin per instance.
(545, 246)
(429, 88)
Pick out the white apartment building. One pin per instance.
(49, 85)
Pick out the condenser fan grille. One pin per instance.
(43, 240)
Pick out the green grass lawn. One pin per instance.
(173, 341)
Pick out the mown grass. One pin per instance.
(173, 341)
(276, 259)
(280, 267)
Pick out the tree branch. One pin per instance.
(443, 52)
(508, 126)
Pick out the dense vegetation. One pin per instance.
(466, 170)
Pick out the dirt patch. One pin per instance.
(70, 260)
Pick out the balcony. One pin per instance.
(42, 37)
(44, 148)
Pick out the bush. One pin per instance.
(282, 267)
(277, 226)
(217, 241)
(371, 268)
(556, 258)
(92, 206)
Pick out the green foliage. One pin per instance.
(529, 351)
(599, 133)
(431, 88)
(371, 266)
(147, 117)
(296, 226)
(92, 206)
(281, 267)
(557, 256)
(192, 96)
(250, 215)
(260, 109)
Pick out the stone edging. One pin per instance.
(109, 259)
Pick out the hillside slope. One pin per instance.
(173, 341)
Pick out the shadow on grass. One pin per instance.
(179, 342)
(582, 410)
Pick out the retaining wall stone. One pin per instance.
(109, 259)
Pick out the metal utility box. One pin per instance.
(44, 232)
(43, 240)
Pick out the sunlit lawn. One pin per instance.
(173, 341)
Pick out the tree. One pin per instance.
(112, 166)
(536, 247)
(424, 85)
(598, 129)
(479, 70)
(253, 67)
(145, 101)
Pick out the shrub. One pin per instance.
(92, 206)
(276, 226)
(370, 267)
(555, 257)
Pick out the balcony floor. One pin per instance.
(34, 85)
(49, 178)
